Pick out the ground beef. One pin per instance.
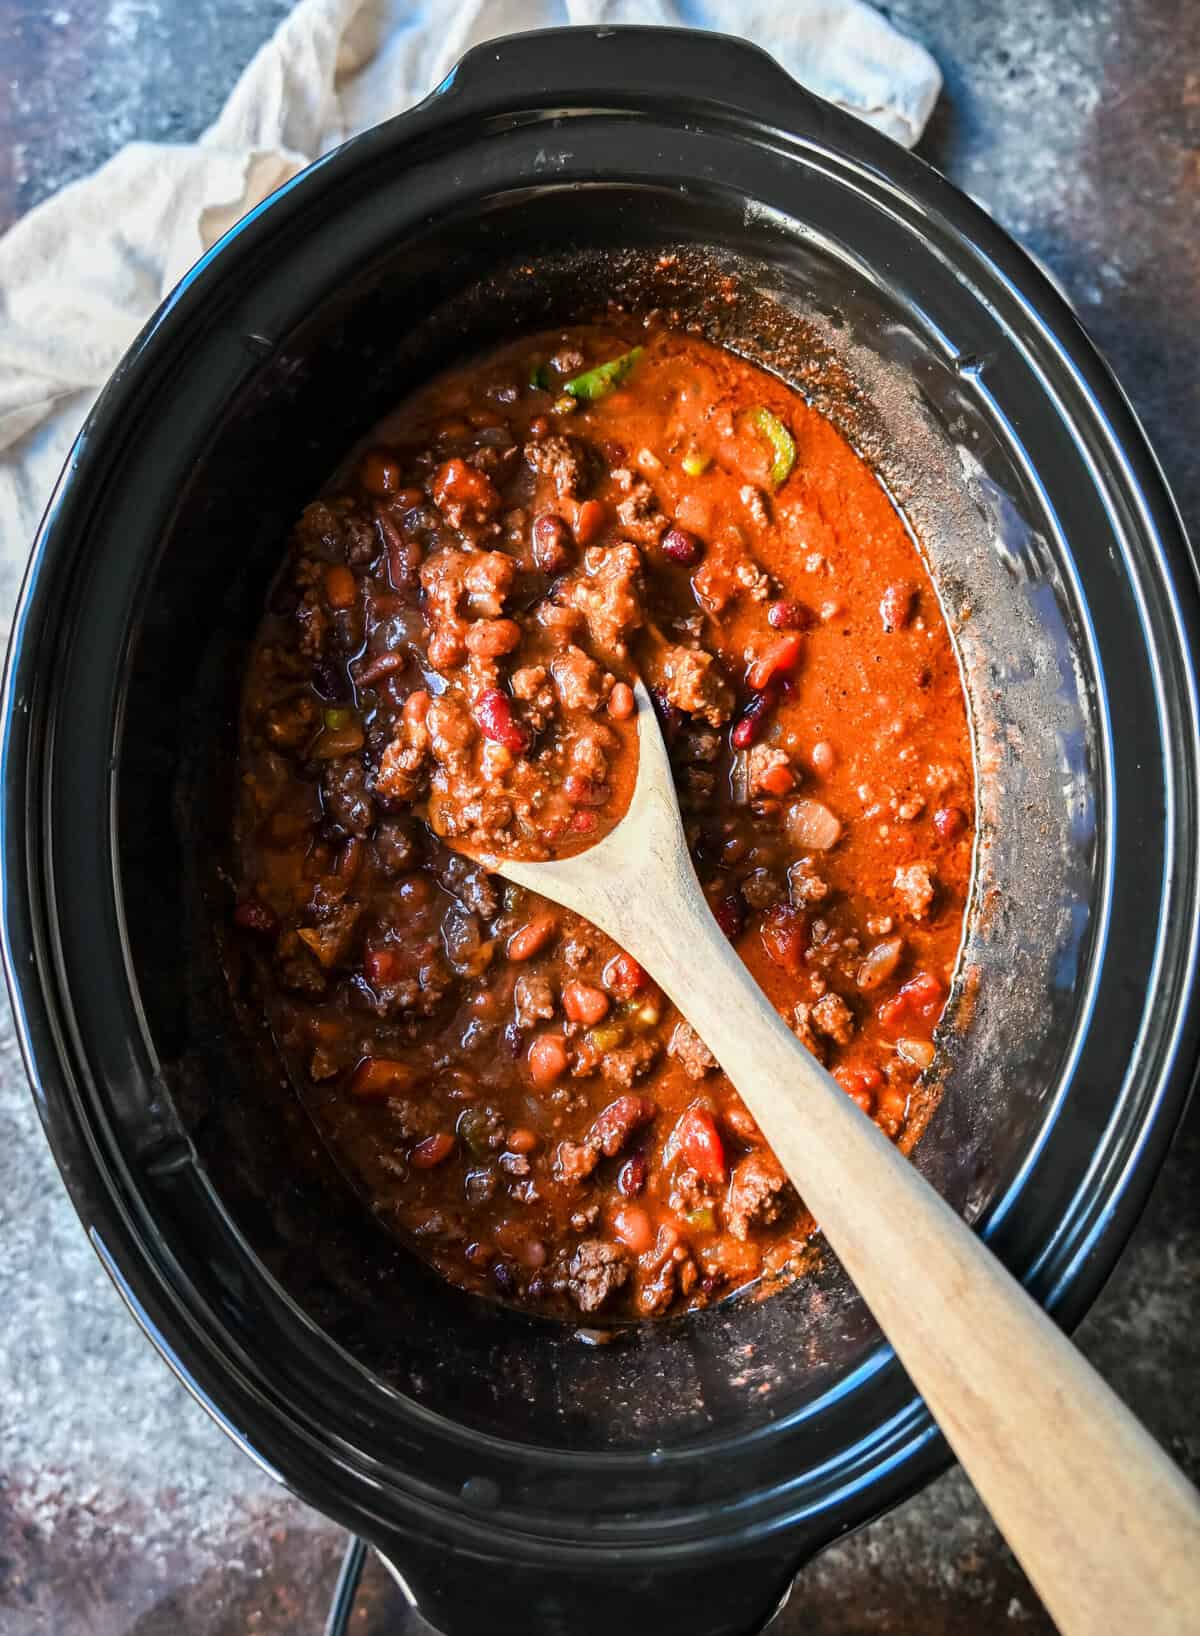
(474, 888)
(577, 679)
(397, 849)
(805, 886)
(533, 1000)
(914, 886)
(761, 761)
(335, 530)
(296, 966)
(690, 1051)
(834, 1017)
(689, 1191)
(345, 796)
(597, 1270)
(700, 744)
(564, 461)
(608, 595)
(333, 939)
(401, 768)
(755, 502)
(802, 1026)
(691, 680)
(629, 1063)
(758, 1194)
(763, 887)
(640, 515)
(313, 623)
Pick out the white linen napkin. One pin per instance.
(81, 274)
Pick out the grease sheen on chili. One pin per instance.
(446, 661)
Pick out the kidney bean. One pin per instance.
(621, 702)
(613, 1127)
(381, 966)
(949, 822)
(382, 1076)
(585, 792)
(523, 1140)
(681, 547)
(551, 543)
(434, 1150)
(631, 1178)
(341, 587)
(532, 937)
(730, 914)
(790, 616)
(379, 473)
(492, 638)
(752, 722)
(493, 712)
(252, 915)
(583, 1003)
(547, 1059)
(632, 1225)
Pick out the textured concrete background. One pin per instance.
(122, 1509)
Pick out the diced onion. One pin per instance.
(811, 826)
(879, 963)
(918, 1052)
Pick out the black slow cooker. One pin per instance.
(517, 1477)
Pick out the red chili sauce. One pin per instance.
(448, 659)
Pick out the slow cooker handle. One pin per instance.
(467, 1594)
(622, 68)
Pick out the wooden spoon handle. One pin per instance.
(1106, 1527)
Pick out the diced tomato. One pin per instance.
(780, 659)
(777, 779)
(698, 1141)
(623, 976)
(583, 823)
(920, 1000)
(381, 1076)
(784, 933)
(434, 1150)
(861, 1085)
(493, 711)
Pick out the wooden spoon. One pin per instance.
(1106, 1527)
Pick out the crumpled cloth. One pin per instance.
(81, 274)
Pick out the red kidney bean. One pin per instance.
(730, 915)
(493, 712)
(252, 915)
(681, 547)
(752, 722)
(551, 543)
(790, 616)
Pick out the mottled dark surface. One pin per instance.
(122, 1509)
